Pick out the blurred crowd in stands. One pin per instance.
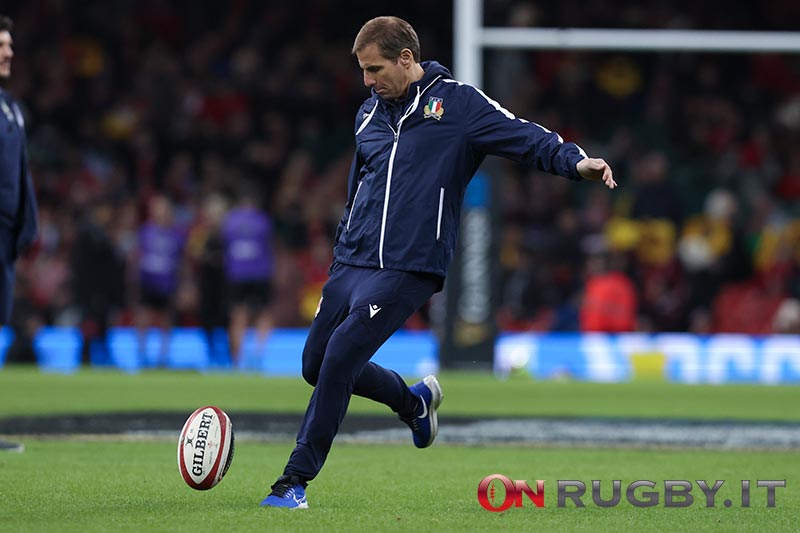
(161, 112)
(704, 233)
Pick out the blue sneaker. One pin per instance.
(423, 423)
(287, 492)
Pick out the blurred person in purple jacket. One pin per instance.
(247, 241)
(160, 259)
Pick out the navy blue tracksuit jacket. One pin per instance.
(413, 162)
(18, 220)
(17, 200)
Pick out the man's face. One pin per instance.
(6, 53)
(389, 77)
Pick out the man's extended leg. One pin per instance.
(381, 301)
(326, 409)
(349, 349)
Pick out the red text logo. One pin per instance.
(498, 493)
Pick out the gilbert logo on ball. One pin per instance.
(205, 447)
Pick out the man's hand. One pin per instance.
(593, 168)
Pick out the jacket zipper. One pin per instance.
(389, 173)
(439, 216)
(352, 207)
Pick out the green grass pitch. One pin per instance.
(135, 486)
(94, 484)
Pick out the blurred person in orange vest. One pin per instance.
(609, 301)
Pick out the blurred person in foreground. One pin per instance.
(420, 137)
(247, 241)
(18, 224)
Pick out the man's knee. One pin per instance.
(311, 375)
(311, 365)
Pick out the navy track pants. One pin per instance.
(359, 310)
(7, 247)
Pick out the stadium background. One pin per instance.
(126, 101)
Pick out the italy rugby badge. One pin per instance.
(433, 109)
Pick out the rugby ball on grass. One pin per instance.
(205, 447)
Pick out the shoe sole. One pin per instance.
(437, 395)
(303, 505)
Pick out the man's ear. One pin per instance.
(406, 57)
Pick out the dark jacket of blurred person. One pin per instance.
(98, 279)
(207, 247)
(655, 196)
(18, 222)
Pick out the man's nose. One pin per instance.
(369, 81)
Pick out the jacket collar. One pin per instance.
(433, 71)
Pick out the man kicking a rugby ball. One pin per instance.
(420, 137)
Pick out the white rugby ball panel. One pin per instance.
(205, 447)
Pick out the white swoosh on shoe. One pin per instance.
(424, 408)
